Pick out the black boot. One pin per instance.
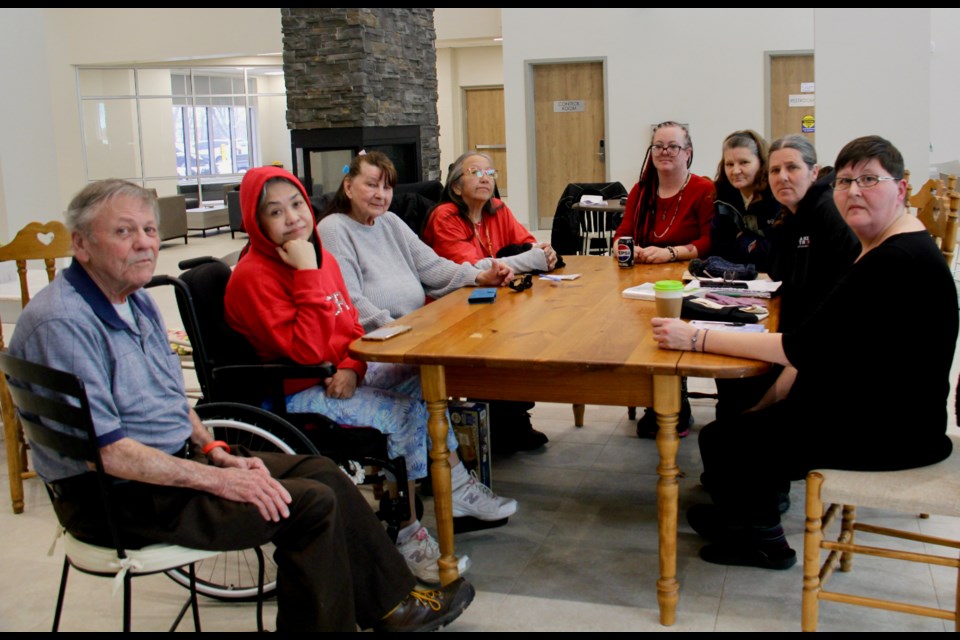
(647, 425)
(511, 429)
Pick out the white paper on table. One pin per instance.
(592, 199)
(557, 276)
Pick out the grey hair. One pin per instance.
(799, 144)
(87, 204)
(456, 169)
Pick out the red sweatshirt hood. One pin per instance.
(250, 191)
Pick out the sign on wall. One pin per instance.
(569, 106)
(802, 100)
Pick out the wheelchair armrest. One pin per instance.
(256, 383)
(276, 371)
(190, 263)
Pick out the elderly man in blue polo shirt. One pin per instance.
(337, 568)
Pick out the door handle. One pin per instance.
(603, 151)
(491, 146)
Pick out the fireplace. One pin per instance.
(319, 155)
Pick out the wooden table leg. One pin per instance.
(434, 387)
(578, 411)
(666, 404)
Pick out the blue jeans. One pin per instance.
(389, 399)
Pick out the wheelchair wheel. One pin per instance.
(232, 575)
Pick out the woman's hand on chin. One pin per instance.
(299, 254)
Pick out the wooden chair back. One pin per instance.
(937, 206)
(45, 241)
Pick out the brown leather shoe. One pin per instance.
(429, 610)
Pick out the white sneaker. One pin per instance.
(421, 552)
(473, 498)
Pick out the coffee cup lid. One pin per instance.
(668, 285)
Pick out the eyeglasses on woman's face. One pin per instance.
(479, 173)
(866, 181)
(670, 150)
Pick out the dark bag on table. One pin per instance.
(693, 310)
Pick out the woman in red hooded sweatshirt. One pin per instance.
(288, 298)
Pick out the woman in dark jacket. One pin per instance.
(811, 249)
(745, 206)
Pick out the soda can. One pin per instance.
(625, 251)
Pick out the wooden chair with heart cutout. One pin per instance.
(36, 241)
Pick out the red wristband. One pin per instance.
(210, 446)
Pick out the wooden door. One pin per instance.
(485, 128)
(792, 99)
(569, 129)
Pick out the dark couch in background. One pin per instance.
(211, 191)
(173, 217)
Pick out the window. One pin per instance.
(163, 127)
(212, 124)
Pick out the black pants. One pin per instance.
(336, 566)
(749, 458)
(736, 395)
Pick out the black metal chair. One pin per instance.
(44, 396)
(229, 370)
(566, 236)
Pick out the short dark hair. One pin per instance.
(871, 148)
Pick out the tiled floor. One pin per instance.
(580, 555)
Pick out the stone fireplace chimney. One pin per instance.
(360, 79)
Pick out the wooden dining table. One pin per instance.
(569, 341)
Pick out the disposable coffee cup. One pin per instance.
(669, 297)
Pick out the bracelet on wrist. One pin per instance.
(703, 343)
(216, 444)
(693, 340)
(673, 254)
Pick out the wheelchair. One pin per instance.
(233, 575)
(235, 386)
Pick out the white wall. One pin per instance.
(944, 86)
(706, 67)
(873, 77)
(40, 151)
(28, 145)
(701, 66)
